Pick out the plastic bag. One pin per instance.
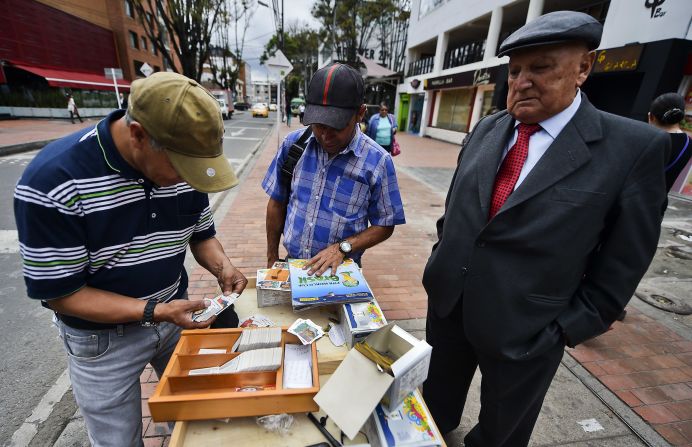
(277, 423)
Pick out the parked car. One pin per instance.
(272, 107)
(260, 109)
(241, 105)
(225, 112)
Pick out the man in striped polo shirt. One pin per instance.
(105, 216)
(342, 182)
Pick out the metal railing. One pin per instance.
(464, 54)
(421, 66)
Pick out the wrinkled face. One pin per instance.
(333, 140)
(543, 80)
(383, 111)
(153, 164)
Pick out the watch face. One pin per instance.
(345, 247)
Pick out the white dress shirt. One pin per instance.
(541, 140)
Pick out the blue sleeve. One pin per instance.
(52, 243)
(386, 208)
(272, 183)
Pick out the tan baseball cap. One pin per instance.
(186, 120)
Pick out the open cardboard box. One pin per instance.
(358, 385)
(180, 397)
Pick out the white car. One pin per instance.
(272, 107)
(224, 108)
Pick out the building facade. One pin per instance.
(50, 47)
(453, 75)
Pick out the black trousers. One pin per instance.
(512, 392)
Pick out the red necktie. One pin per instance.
(510, 169)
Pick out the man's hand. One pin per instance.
(179, 312)
(231, 280)
(271, 259)
(329, 258)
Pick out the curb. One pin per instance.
(24, 147)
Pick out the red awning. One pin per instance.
(74, 79)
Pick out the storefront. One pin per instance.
(458, 101)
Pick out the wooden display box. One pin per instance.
(181, 397)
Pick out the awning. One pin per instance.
(74, 79)
(375, 70)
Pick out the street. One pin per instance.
(32, 356)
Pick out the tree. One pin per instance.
(301, 44)
(184, 26)
(349, 24)
(227, 58)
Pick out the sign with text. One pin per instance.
(467, 79)
(617, 59)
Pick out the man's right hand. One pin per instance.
(179, 312)
(271, 259)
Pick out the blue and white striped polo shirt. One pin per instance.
(86, 217)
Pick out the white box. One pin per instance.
(358, 320)
(271, 292)
(409, 425)
(359, 384)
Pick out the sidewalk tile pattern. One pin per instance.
(649, 367)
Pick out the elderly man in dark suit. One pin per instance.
(552, 218)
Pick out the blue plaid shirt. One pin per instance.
(333, 199)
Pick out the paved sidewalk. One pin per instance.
(645, 361)
(26, 134)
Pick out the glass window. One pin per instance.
(144, 43)
(428, 5)
(455, 107)
(134, 41)
(129, 9)
(153, 48)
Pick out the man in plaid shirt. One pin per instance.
(342, 182)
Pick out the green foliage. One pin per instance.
(300, 47)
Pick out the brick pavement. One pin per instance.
(28, 130)
(644, 363)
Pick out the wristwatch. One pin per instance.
(345, 247)
(148, 317)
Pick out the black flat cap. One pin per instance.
(555, 27)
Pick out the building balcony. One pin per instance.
(421, 66)
(463, 54)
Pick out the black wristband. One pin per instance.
(148, 317)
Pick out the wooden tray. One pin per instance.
(181, 397)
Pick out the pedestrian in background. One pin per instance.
(123, 101)
(343, 196)
(301, 112)
(667, 112)
(105, 217)
(288, 113)
(72, 108)
(382, 128)
(551, 220)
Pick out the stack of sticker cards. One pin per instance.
(257, 338)
(306, 331)
(268, 359)
(216, 306)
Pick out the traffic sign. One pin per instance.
(113, 73)
(146, 69)
(279, 65)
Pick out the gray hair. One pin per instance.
(155, 145)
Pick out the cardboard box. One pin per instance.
(358, 320)
(410, 425)
(359, 384)
(182, 397)
(273, 285)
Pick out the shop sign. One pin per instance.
(467, 79)
(617, 59)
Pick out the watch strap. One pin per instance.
(148, 316)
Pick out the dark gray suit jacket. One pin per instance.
(566, 251)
